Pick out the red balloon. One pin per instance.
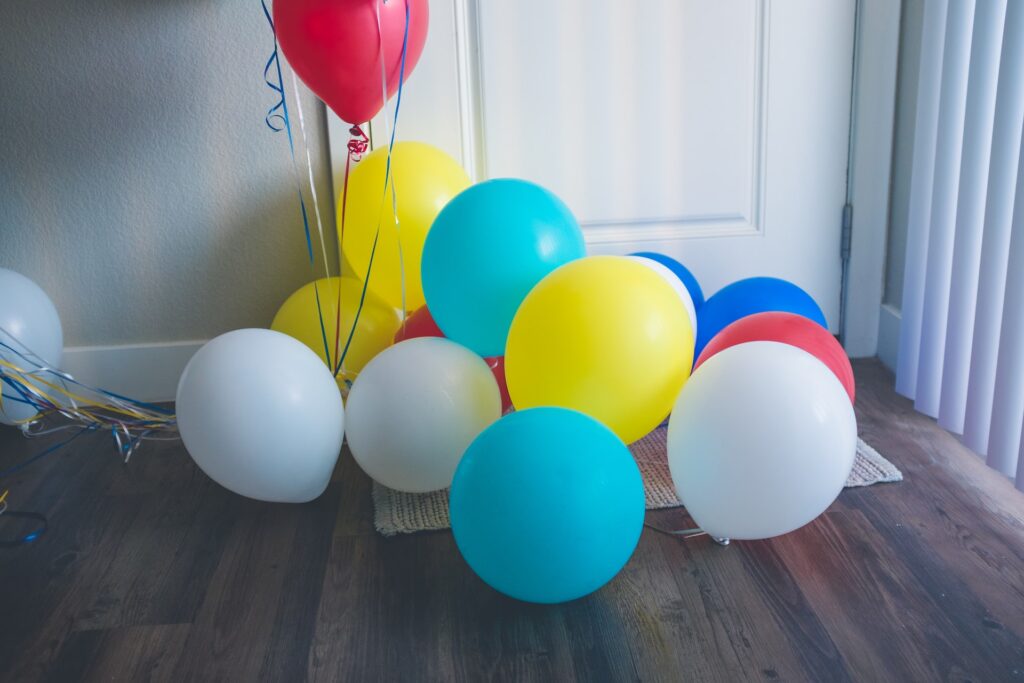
(421, 324)
(335, 48)
(786, 328)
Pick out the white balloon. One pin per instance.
(761, 441)
(415, 408)
(28, 321)
(668, 276)
(261, 414)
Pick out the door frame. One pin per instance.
(872, 120)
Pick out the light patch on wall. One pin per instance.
(139, 185)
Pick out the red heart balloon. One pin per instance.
(335, 48)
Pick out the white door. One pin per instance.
(715, 132)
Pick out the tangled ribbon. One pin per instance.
(50, 391)
(26, 379)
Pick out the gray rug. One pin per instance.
(406, 513)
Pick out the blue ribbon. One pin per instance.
(26, 397)
(41, 526)
(273, 116)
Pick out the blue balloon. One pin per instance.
(547, 505)
(681, 272)
(750, 296)
(486, 250)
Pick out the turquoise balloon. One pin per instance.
(547, 505)
(486, 250)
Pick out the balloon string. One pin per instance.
(275, 121)
(319, 221)
(391, 136)
(390, 176)
(387, 176)
(309, 170)
(357, 144)
(88, 408)
(271, 119)
(49, 391)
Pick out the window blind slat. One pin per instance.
(956, 57)
(922, 172)
(1005, 165)
(1008, 399)
(979, 119)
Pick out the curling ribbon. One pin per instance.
(28, 537)
(51, 391)
(388, 180)
(39, 530)
(358, 143)
(271, 118)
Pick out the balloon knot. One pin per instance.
(358, 144)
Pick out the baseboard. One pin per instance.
(150, 372)
(889, 335)
(147, 372)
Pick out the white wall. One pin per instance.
(138, 183)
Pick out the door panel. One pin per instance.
(713, 132)
(645, 117)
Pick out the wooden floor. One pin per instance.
(151, 571)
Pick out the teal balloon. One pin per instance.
(486, 250)
(547, 505)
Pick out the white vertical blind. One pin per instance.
(970, 209)
(962, 333)
(1006, 141)
(948, 152)
(922, 174)
(1008, 400)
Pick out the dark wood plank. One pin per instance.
(291, 638)
(153, 572)
(134, 653)
(178, 536)
(230, 638)
(47, 584)
(745, 638)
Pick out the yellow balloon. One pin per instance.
(425, 180)
(603, 335)
(378, 322)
